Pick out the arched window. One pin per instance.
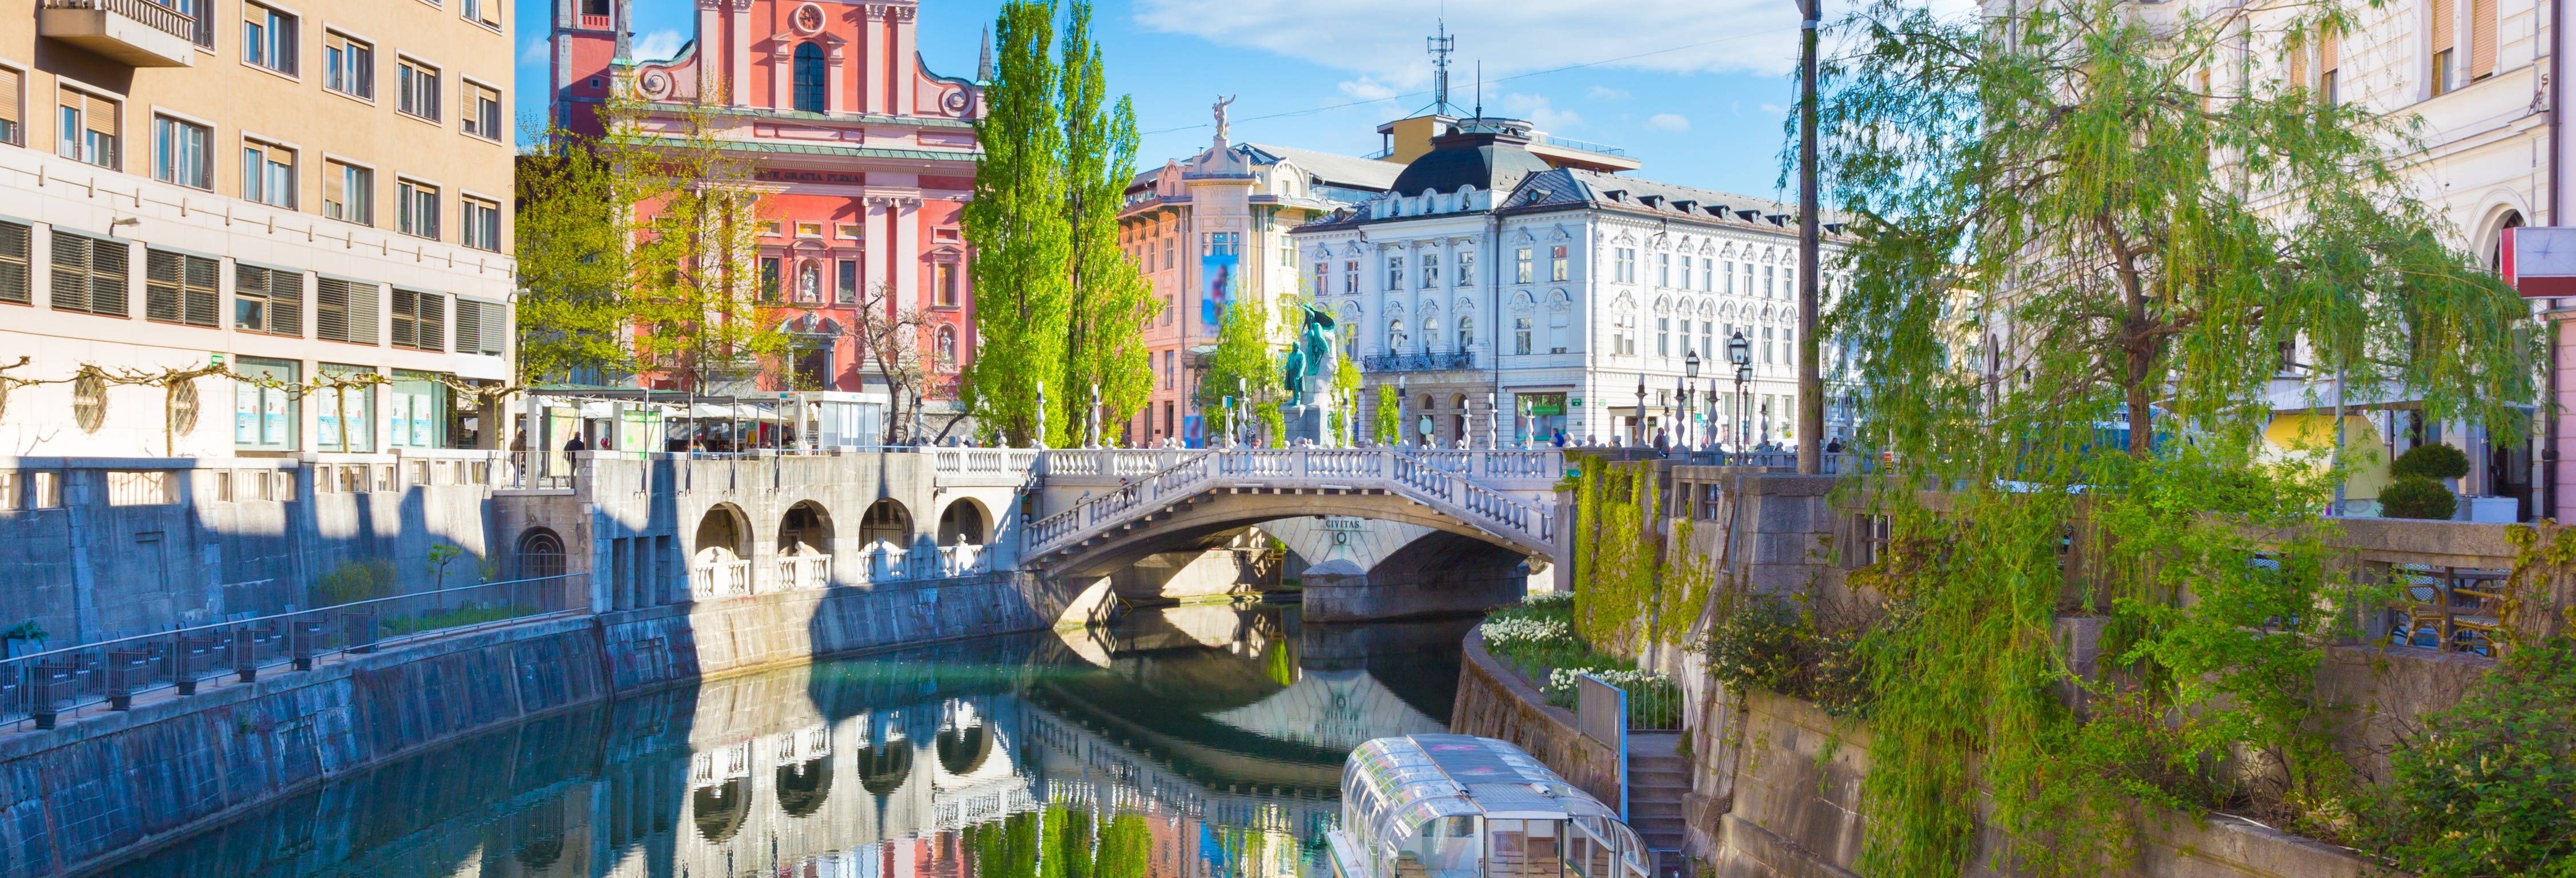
(1466, 330)
(809, 78)
(540, 554)
(1395, 335)
(1430, 333)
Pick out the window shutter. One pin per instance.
(490, 12)
(107, 290)
(2329, 53)
(163, 273)
(10, 110)
(335, 186)
(331, 309)
(2440, 11)
(2482, 38)
(71, 272)
(333, 41)
(362, 312)
(286, 303)
(469, 326)
(100, 115)
(406, 318)
(433, 322)
(14, 264)
(251, 12)
(496, 328)
(2298, 68)
(203, 301)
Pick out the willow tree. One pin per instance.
(1016, 226)
(2072, 220)
(1110, 299)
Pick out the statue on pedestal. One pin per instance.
(1310, 356)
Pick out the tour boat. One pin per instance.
(1460, 806)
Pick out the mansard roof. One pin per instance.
(1489, 154)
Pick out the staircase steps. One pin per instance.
(1657, 778)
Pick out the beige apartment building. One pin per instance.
(294, 190)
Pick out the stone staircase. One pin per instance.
(1657, 778)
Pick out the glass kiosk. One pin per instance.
(1459, 806)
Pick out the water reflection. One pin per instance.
(1199, 741)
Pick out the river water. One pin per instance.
(1200, 741)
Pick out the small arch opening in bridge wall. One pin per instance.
(539, 553)
(723, 535)
(886, 522)
(965, 523)
(884, 767)
(804, 786)
(806, 529)
(718, 810)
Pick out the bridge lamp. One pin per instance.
(1639, 422)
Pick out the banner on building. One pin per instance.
(1222, 285)
(2539, 261)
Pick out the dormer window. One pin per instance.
(1651, 200)
(1616, 195)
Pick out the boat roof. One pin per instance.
(1399, 783)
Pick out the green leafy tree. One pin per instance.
(2131, 248)
(573, 227)
(1111, 300)
(1017, 227)
(1389, 421)
(705, 312)
(1244, 367)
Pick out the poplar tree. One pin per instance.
(1111, 301)
(1017, 228)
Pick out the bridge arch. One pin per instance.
(1227, 510)
(886, 521)
(806, 529)
(724, 531)
(965, 522)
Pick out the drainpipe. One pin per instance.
(1494, 324)
(2548, 441)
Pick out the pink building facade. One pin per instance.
(865, 156)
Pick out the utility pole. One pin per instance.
(1811, 396)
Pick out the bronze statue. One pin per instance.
(1311, 355)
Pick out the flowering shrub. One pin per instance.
(2487, 789)
(1515, 633)
(1537, 638)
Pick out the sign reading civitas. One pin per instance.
(787, 175)
(1336, 522)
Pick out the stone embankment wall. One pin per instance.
(1792, 778)
(110, 785)
(1493, 701)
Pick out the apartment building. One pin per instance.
(297, 193)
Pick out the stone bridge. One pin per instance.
(1486, 513)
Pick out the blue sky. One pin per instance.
(1696, 89)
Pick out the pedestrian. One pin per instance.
(1663, 445)
(574, 444)
(1559, 438)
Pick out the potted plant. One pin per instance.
(28, 631)
(2417, 489)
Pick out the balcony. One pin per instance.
(1420, 361)
(136, 32)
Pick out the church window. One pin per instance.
(810, 78)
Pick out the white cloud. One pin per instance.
(1775, 109)
(657, 45)
(1668, 122)
(1599, 93)
(1536, 109)
(1368, 89)
(1509, 36)
(534, 54)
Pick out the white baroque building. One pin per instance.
(1510, 299)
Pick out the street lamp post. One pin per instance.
(1690, 373)
(1638, 422)
(1740, 352)
(1399, 410)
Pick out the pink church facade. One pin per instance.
(865, 157)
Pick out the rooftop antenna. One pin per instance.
(1480, 88)
(1440, 46)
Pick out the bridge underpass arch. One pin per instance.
(1488, 559)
